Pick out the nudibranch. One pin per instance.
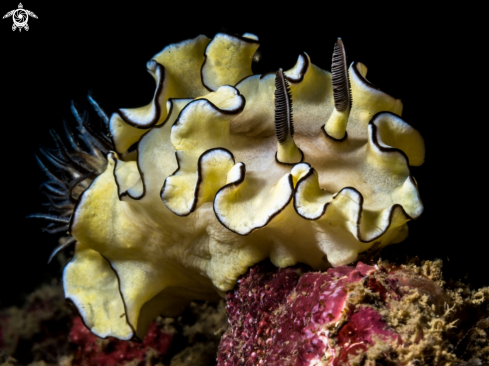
(221, 170)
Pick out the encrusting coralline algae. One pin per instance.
(363, 315)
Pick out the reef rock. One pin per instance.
(348, 315)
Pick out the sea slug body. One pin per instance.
(224, 169)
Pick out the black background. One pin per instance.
(424, 59)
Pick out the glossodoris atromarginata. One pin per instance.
(216, 174)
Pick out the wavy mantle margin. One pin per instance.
(203, 196)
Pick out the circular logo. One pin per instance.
(20, 17)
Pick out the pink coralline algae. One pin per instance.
(47, 330)
(92, 350)
(282, 317)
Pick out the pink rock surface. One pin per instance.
(358, 334)
(281, 317)
(91, 350)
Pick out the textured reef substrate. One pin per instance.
(381, 314)
(354, 315)
(48, 331)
